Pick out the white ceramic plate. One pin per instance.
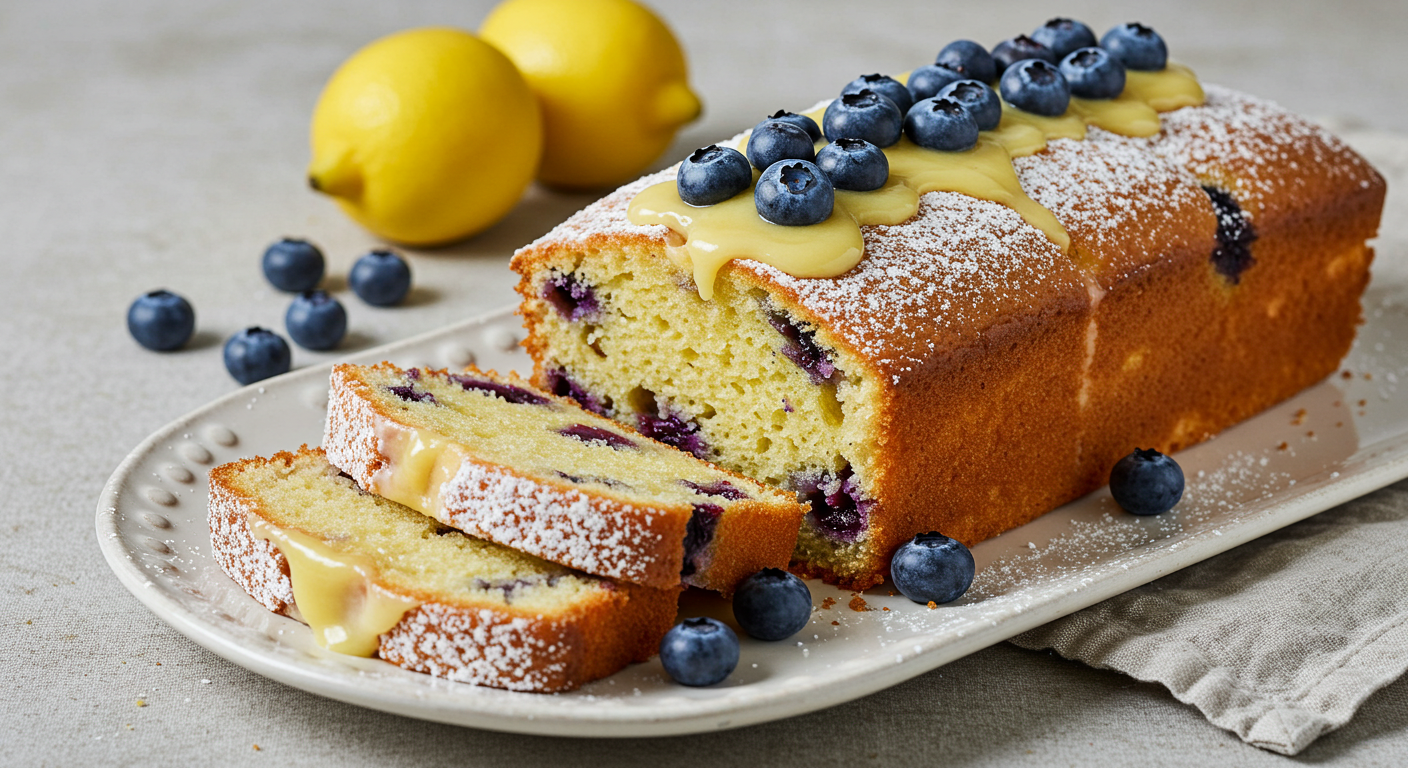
(1342, 438)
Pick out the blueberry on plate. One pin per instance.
(316, 320)
(1020, 48)
(1093, 73)
(1136, 47)
(932, 568)
(854, 164)
(293, 265)
(801, 121)
(970, 59)
(1037, 87)
(773, 140)
(863, 115)
(772, 604)
(884, 85)
(1063, 36)
(927, 81)
(161, 321)
(1146, 482)
(712, 175)
(980, 100)
(794, 193)
(941, 124)
(380, 278)
(699, 651)
(255, 354)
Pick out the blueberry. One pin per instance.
(884, 85)
(774, 140)
(927, 81)
(1063, 36)
(1020, 48)
(380, 278)
(712, 175)
(293, 265)
(801, 121)
(1136, 47)
(864, 115)
(772, 604)
(854, 164)
(699, 651)
(794, 193)
(941, 124)
(589, 434)
(1093, 73)
(1037, 87)
(970, 59)
(980, 100)
(161, 320)
(1146, 482)
(255, 354)
(932, 568)
(316, 320)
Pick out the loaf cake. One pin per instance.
(491, 456)
(970, 374)
(417, 593)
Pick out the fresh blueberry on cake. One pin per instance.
(942, 124)
(699, 651)
(932, 568)
(1093, 73)
(161, 320)
(1035, 86)
(854, 164)
(928, 80)
(380, 278)
(255, 354)
(863, 115)
(774, 140)
(1063, 36)
(372, 577)
(1146, 482)
(979, 99)
(1136, 46)
(1020, 48)
(293, 265)
(794, 193)
(969, 59)
(772, 605)
(712, 175)
(498, 459)
(884, 85)
(316, 320)
(801, 121)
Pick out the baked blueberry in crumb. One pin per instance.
(572, 297)
(1136, 46)
(410, 395)
(775, 140)
(1063, 36)
(699, 651)
(698, 533)
(562, 385)
(721, 488)
(941, 124)
(590, 434)
(794, 193)
(516, 395)
(928, 80)
(772, 604)
(1093, 74)
(968, 58)
(380, 278)
(854, 164)
(932, 568)
(801, 348)
(1020, 48)
(863, 115)
(1146, 482)
(1235, 235)
(674, 430)
(1036, 86)
(161, 321)
(293, 265)
(316, 320)
(712, 175)
(884, 85)
(838, 507)
(255, 354)
(980, 100)
(801, 121)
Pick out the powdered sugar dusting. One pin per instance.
(605, 219)
(482, 647)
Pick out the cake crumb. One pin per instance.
(835, 623)
(256, 748)
(141, 702)
(1363, 403)
(827, 603)
(1311, 433)
(933, 605)
(1299, 418)
(1283, 446)
(858, 604)
(1347, 375)
(1368, 377)
(884, 608)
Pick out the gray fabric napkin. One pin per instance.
(1281, 639)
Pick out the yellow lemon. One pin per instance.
(611, 79)
(426, 136)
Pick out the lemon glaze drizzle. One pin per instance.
(714, 235)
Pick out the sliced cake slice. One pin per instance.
(498, 459)
(373, 577)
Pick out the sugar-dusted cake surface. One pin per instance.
(483, 613)
(495, 458)
(968, 375)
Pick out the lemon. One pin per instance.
(611, 79)
(426, 136)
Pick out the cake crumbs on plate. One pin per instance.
(827, 603)
(858, 604)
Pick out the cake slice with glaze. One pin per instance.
(497, 459)
(373, 577)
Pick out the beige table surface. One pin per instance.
(162, 143)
